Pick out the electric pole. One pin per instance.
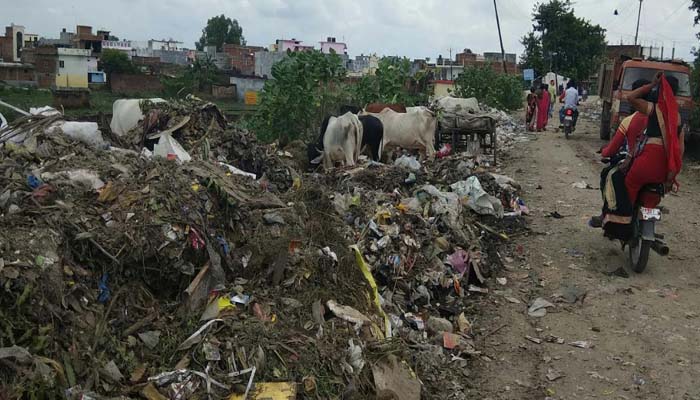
(500, 38)
(639, 14)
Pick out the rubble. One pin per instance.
(231, 272)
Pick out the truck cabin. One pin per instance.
(635, 69)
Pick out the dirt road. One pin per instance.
(642, 332)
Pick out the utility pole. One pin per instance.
(639, 14)
(673, 51)
(500, 38)
(451, 76)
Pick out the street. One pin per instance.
(639, 333)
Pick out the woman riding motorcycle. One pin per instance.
(654, 155)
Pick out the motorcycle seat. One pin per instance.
(657, 188)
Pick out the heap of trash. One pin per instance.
(180, 258)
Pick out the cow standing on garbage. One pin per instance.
(414, 130)
(341, 141)
(372, 138)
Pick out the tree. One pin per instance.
(116, 61)
(392, 83)
(220, 30)
(570, 45)
(305, 87)
(502, 91)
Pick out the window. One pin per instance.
(632, 74)
(60, 64)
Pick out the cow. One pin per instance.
(372, 138)
(378, 107)
(415, 130)
(340, 140)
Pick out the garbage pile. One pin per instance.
(133, 273)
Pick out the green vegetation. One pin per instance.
(562, 42)
(197, 77)
(116, 61)
(220, 30)
(392, 83)
(488, 86)
(305, 87)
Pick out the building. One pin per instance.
(330, 45)
(17, 74)
(284, 45)
(12, 43)
(363, 65)
(85, 39)
(45, 61)
(167, 45)
(264, 60)
(121, 45)
(94, 74)
(468, 58)
(511, 58)
(72, 68)
(242, 58)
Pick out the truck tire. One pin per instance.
(605, 121)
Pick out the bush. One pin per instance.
(497, 90)
(305, 87)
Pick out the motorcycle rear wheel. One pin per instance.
(638, 254)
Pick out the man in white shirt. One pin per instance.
(570, 97)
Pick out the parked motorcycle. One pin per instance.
(645, 215)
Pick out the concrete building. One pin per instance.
(246, 85)
(468, 58)
(85, 39)
(242, 58)
(12, 43)
(284, 45)
(72, 68)
(264, 60)
(497, 57)
(165, 44)
(363, 65)
(330, 45)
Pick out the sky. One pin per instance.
(411, 28)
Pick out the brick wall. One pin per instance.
(134, 84)
(23, 74)
(242, 58)
(6, 52)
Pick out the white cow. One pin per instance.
(342, 140)
(414, 129)
(126, 114)
(457, 105)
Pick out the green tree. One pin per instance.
(570, 45)
(502, 91)
(220, 30)
(392, 83)
(116, 61)
(305, 87)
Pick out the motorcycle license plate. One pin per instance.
(650, 214)
(569, 118)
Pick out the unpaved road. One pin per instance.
(644, 329)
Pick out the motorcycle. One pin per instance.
(646, 213)
(568, 121)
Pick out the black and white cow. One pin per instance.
(372, 138)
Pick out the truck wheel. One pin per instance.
(605, 122)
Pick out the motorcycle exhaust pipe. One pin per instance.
(660, 248)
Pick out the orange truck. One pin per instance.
(615, 83)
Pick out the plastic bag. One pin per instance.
(169, 148)
(408, 162)
(478, 200)
(85, 132)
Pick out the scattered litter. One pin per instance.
(583, 344)
(552, 374)
(407, 162)
(534, 339)
(581, 185)
(539, 308)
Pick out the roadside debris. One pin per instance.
(180, 258)
(538, 308)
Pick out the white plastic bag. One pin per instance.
(169, 148)
(408, 162)
(478, 200)
(85, 132)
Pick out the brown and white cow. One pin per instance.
(379, 107)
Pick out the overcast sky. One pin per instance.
(412, 28)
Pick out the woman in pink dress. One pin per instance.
(542, 104)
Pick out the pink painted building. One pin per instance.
(331, 44)
(291, 45)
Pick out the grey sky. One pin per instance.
(412, 28)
